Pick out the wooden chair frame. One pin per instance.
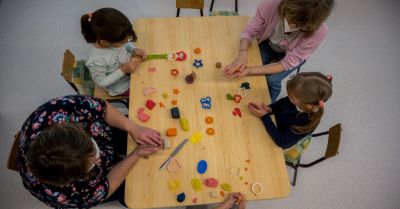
(189, 4)
(332, 149)
(12, 157)
(212, 5)
(69, 65)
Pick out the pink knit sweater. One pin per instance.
(263, 23)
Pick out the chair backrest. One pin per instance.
(77, 75)
(332, 148)
(68, 68)
(191, 4)
(68, 65)
(12, 157)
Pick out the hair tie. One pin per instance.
(321, 103)
(90, 16)
(329, 77)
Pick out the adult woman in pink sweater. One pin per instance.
(288, 32)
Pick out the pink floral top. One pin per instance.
(89, 112)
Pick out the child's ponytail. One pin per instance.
(106, 24)
(311, 88)
(86, 29)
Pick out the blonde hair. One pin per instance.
(311, 88)
(306, 13)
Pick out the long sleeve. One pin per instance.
(276, 105)
(129, 47)
(100, 77)
(283, 139)
(263, 22)
(304, 48)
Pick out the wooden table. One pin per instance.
(239, 142)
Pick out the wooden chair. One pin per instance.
(76, 74)
(100, 93)
(332, 149)
(189, 4)
(12, 157)
(224, 13)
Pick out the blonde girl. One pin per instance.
(298, 114)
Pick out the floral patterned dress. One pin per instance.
(88, 112)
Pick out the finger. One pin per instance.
(230, 76)
(149, 150)
(242, 67)
(150, 141)
(236, 74)
(252, 109)
(156, 138)
(228, 68)
(242, 73)
(266, 107)
(154, 131)
(253, 105)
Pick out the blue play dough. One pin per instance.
(181, 197)
(202, 166)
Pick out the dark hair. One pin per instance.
(310, 88)
(106, 24)
(60, 154)
(306, 13)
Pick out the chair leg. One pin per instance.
(212, 4)
(312, 163)
(201, 12)
(295, 176)
(236, 5)
(301, 64)
(295, 167)
(177, 12)
(320, 134)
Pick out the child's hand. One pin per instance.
(140, 53)
(229, 202)
(241, 200)
(131, 67)
(259, 109)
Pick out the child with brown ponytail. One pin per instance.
(110, 58)
(298, 114)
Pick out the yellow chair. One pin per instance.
(189, 4)
(293, 154)
(12, 157)
(78, 76)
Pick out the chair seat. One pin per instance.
(293, 154)
(82, 80)
(102, 94)
(223, 13)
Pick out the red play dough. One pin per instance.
(211, 182)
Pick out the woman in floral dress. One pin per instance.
(65, 154)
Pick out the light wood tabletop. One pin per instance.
(240, 152)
